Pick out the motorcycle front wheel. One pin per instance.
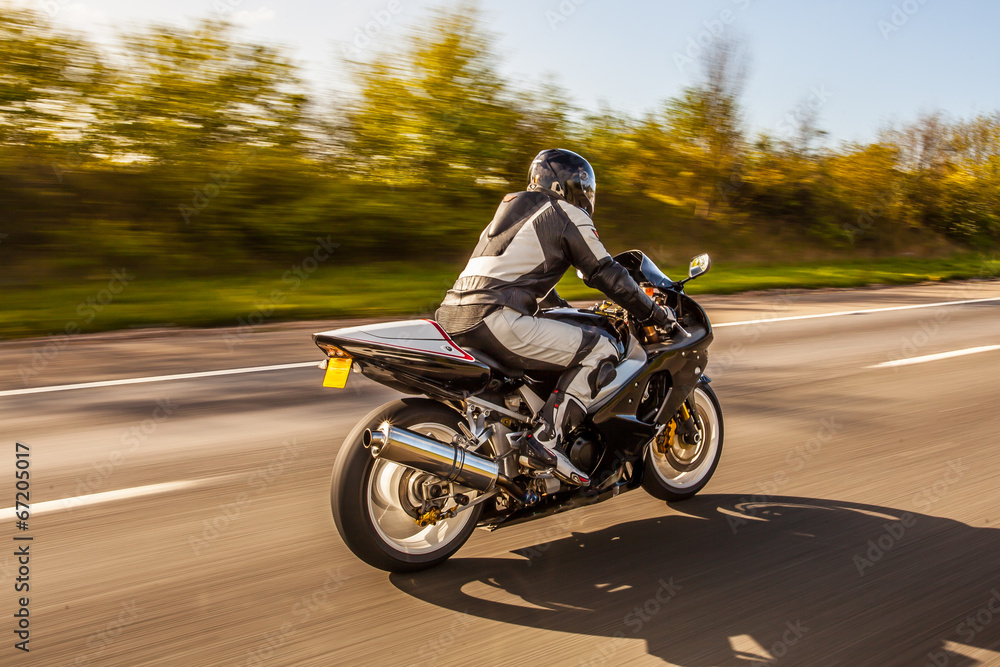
(376, 502)
(678, 470)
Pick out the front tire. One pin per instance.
(372, 499)
(679, 472)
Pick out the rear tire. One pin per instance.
(681, 472)
(366, 502)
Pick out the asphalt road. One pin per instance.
(852, 521)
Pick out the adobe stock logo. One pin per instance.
(900, 16)
(365, 36)
(566, 9)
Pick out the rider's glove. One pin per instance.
(662, 316)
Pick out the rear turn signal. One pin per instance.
(334, 352)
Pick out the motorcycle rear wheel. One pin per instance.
(374, 501)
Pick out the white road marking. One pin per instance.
(306, 364)
(935, 357)
(157, 378)
(153, 489)
(107, 496)
(855, 312)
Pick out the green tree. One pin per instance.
(705, 123)
(181, 92)
(436, 114)
(46, 80)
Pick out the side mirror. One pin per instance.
(699, 265)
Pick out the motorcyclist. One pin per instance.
(535, 236)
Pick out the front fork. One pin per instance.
(687, 425)
(684, 423)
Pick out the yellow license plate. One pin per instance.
(337, 371)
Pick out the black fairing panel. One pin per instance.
(685, 361)
(415, 370)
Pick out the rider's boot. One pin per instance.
(541, 448)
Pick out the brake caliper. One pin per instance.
(666, 439)
(433, 515)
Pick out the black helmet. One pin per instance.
(566, 174)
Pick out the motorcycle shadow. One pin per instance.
(797, 581)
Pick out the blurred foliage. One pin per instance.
(417, 288)
(187, 96)
(192, 151)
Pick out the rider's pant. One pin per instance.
(533, 343)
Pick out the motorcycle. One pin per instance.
(416, 476)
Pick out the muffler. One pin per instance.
(449, 462)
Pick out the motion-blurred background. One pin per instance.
(203, 157)
(244, 162)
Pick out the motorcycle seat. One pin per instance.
(495, 365)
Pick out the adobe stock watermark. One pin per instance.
(224, 9)
(442, 645)
(293, 278)
(930, 495)
(562, 12)
(900, 16)
(217, 182)
(98, 642)
(88, 310)
(795, 461)
(131, 440)
(566, 520)
(544, 538)
(258, 481)
(51, 8)
(366, 35)
(893, 532)
(749, 333)
(928, 329)
(976, 623)
(303, 609)
(818, 98)
(969, 629)
(73, 160)
(793, 634)
(714, 30)
(635, 620)
(871, 215)
(729, 189)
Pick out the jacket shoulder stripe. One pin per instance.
(585, 227)
(523, 255)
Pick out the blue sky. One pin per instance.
(924, 55)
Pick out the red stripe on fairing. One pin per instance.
(450, 341)
(464, 355)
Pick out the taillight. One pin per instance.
(334, 352)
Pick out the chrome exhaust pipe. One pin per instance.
(447, 461)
